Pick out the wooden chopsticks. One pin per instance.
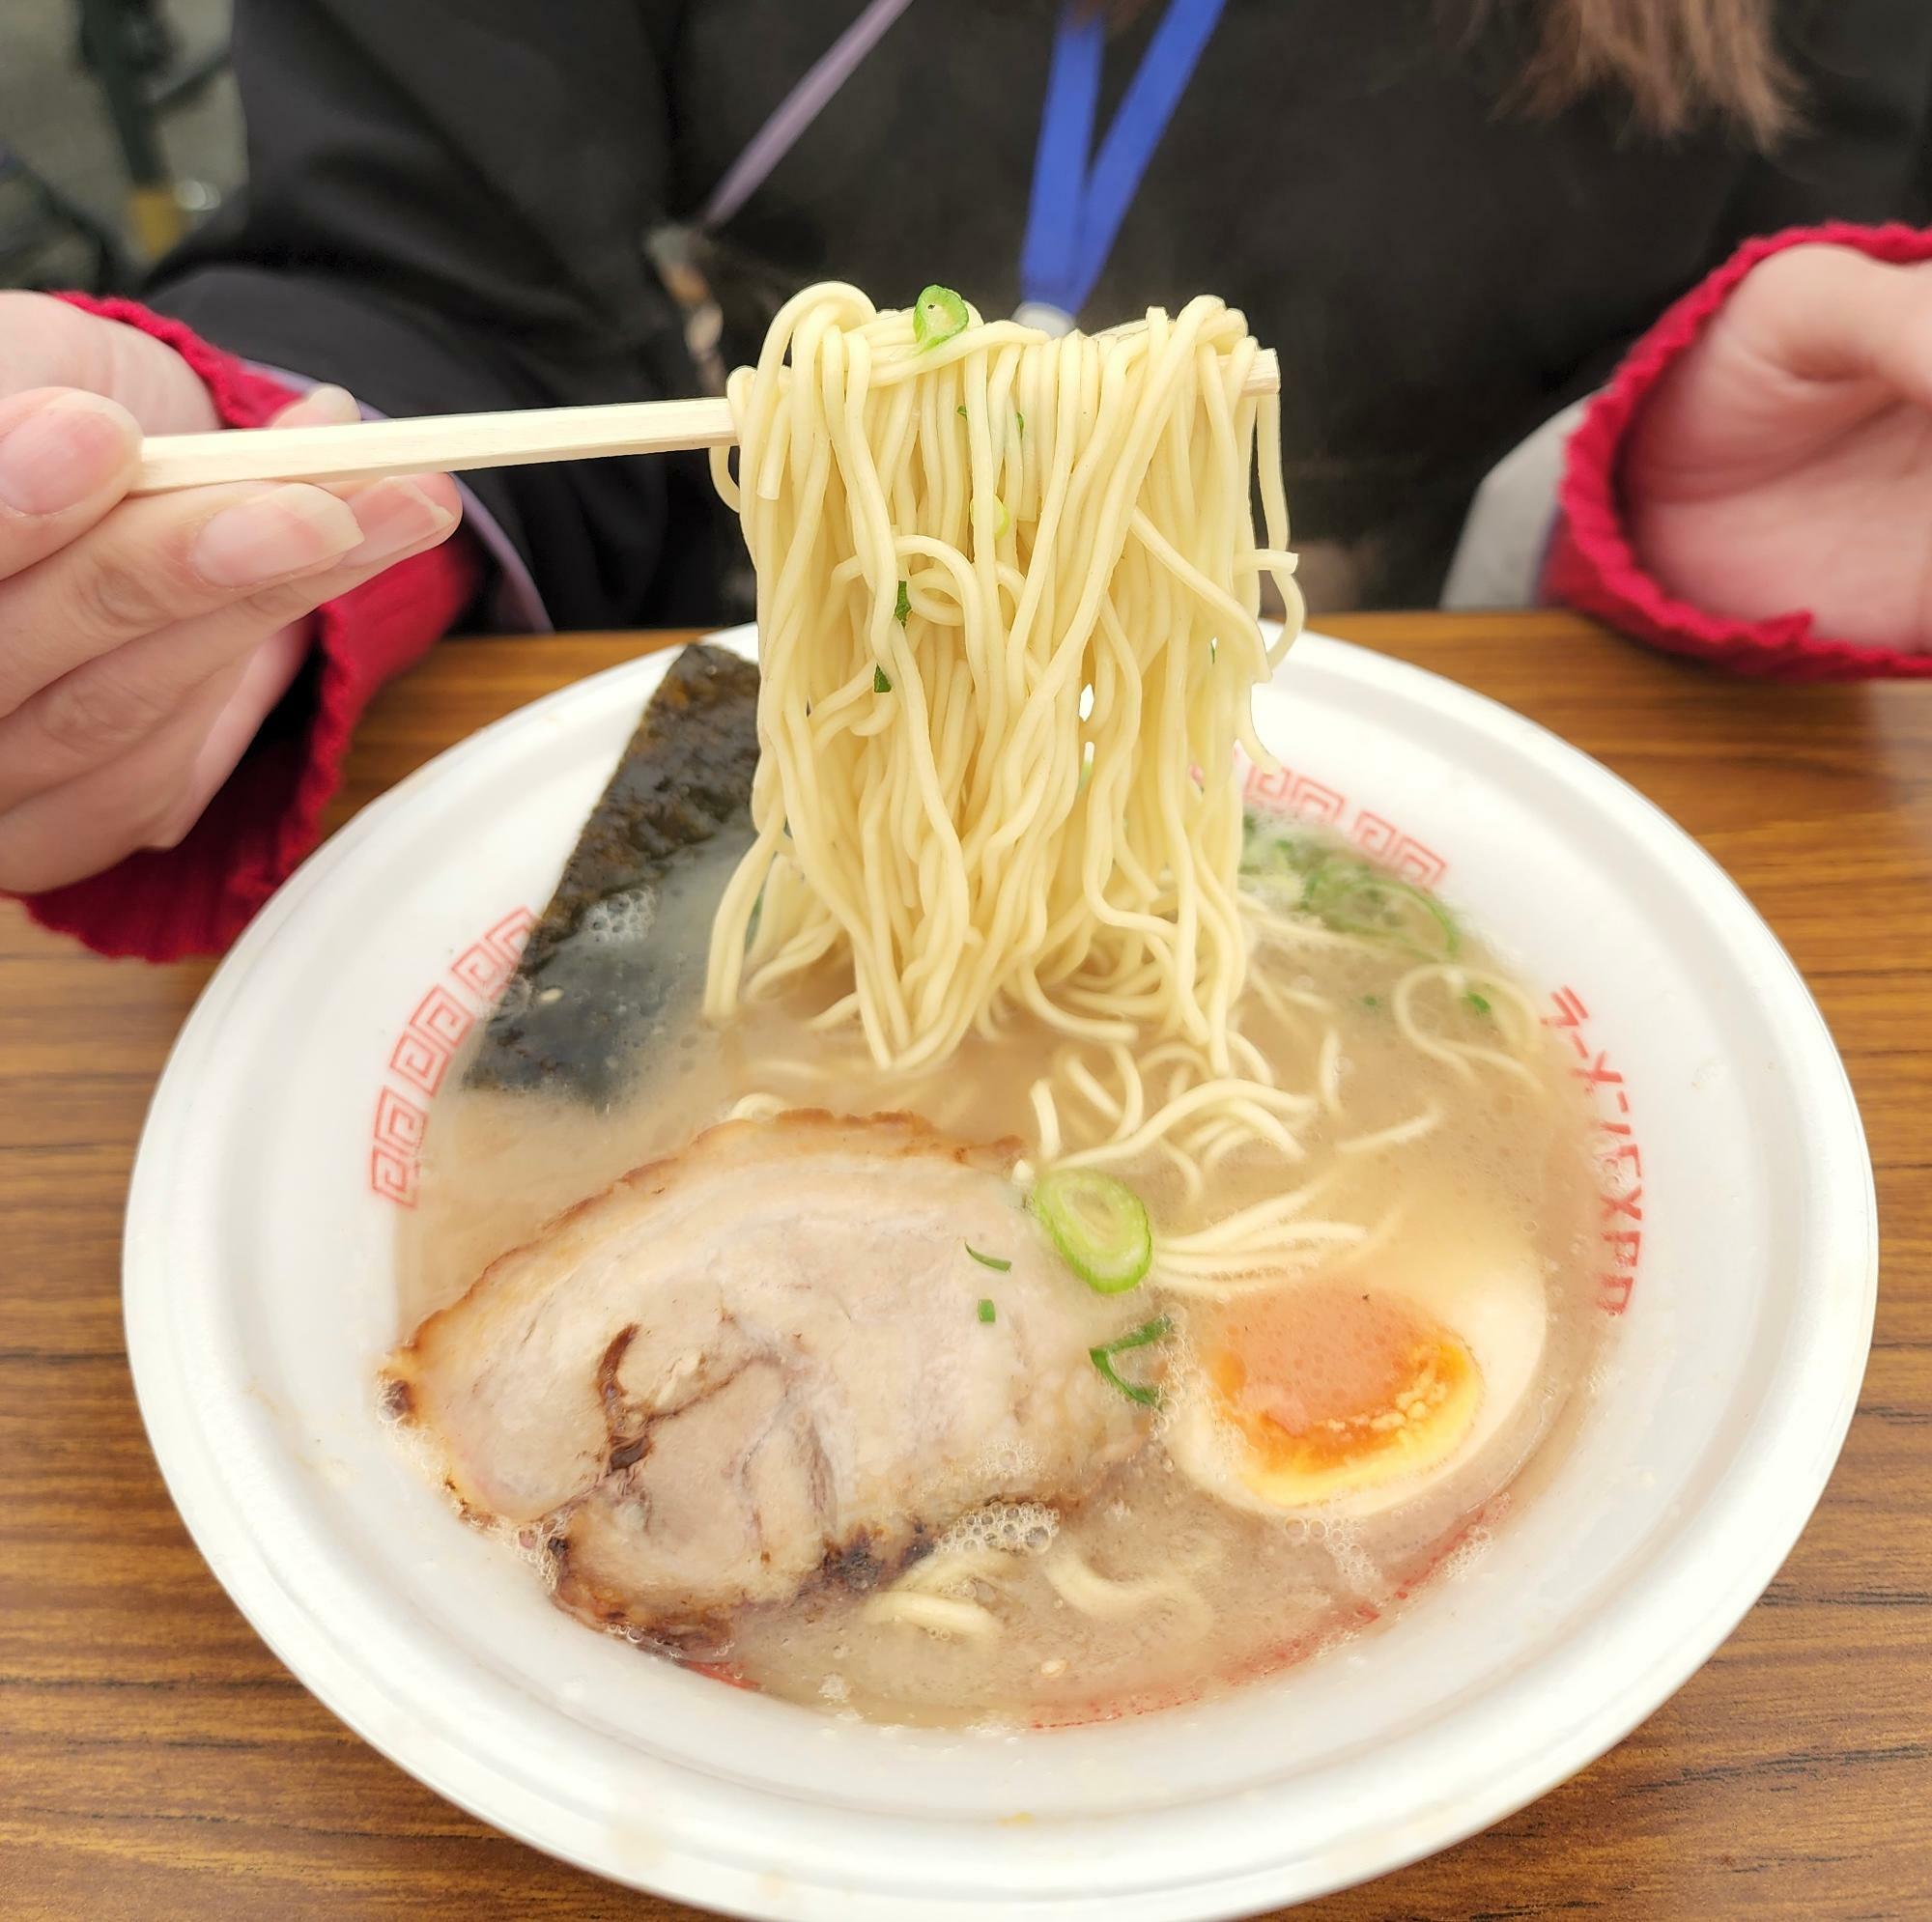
(457, 442)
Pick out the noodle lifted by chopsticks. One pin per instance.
(1007, 600)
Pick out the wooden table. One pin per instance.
(156, 1761)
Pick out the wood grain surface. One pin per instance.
(156, 1761)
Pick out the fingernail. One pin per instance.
(395, 515)
(289, 531)
(322, 406)
(62, 452)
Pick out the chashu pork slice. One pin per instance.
(763, 1360)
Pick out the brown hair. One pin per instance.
(1680, 63)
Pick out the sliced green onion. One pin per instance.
(1098, 1225)
(1004, 520)
(903, 606)
(1349, 895)
(1352, 897)
(1372, 1001)
(1102, 1358)
(937, 314)
(1478, 1002)
(986, 1310)
(1021, 418)
(881, 682)
(1267, 850)
(992, 1261)
(961, 410)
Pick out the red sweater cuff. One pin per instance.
(197, 898)
(1592, 565)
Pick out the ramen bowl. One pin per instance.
(1738, 1264)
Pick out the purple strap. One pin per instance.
(797, 110)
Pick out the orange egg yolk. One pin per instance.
(1334, 1388)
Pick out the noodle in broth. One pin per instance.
(1009, 598)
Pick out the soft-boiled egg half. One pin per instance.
(1350, 1393)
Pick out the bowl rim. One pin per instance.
(1683, 1602)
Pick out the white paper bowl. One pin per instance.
(259, 1276)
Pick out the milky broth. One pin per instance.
(1193, 1593)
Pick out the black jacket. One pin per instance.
(451, 200)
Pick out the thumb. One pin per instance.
(1827, 313)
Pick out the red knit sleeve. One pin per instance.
(1592, 565)
(197, 898)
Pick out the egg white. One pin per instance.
(1487, 1290)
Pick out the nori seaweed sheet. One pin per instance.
(573, 1018)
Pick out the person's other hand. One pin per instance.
(143, 641)
(1786, 462)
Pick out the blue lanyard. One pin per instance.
(1076, 210)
